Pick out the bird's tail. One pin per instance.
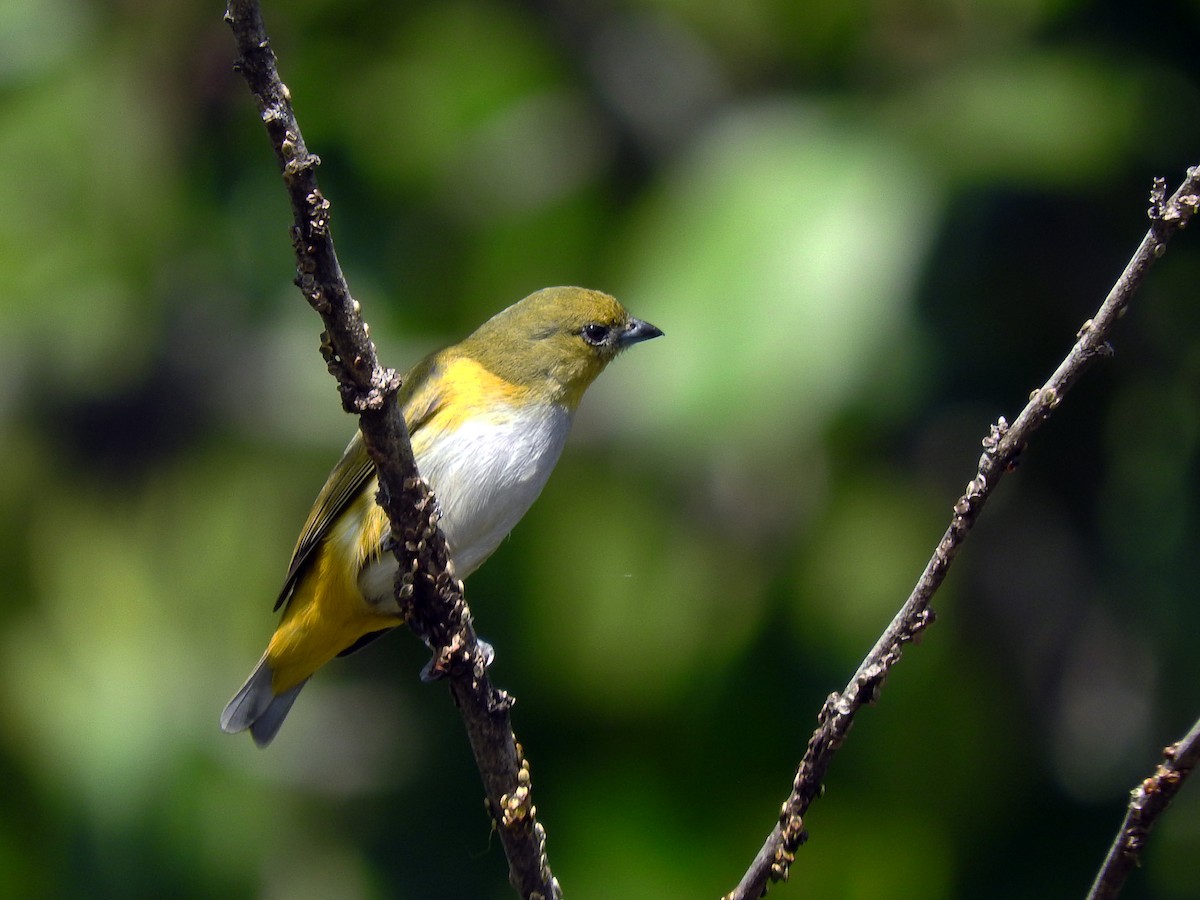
(256, 706)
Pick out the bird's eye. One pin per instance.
(594, 333)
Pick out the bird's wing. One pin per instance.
(419, 398)
(351, 474)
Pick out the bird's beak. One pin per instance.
(636, 332)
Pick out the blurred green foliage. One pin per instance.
(867, 229)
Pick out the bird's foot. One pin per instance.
(443, 660)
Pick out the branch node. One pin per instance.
(517, 808)
(975, 489)
(1158, 196)
(926, 618)
(871, 681)
(995, 433)
(828, 710)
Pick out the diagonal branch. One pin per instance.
(1147, 802)
(432, 597)
(1002, 447)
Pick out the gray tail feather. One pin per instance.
(255, 706)
(266, 726)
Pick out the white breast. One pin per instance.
(485, 476)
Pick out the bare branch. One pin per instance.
(437, 610)
(1147, 802)
(1002, 447)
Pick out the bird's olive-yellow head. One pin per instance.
(556, 340)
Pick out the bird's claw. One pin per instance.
(442, 661)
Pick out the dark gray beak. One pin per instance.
(636, 332)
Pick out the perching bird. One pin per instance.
(488, 419)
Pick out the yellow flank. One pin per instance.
(469, 390)
(326, 612)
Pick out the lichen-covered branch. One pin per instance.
(1147, 802)
(1002, 447)
(437, 610)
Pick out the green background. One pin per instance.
(868, 229)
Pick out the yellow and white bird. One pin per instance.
(488, 419)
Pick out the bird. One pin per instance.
(488, 418)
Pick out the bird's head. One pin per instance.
(557, 339)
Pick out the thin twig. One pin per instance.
(1147, 802)
(1002, 447)
(425, 587)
